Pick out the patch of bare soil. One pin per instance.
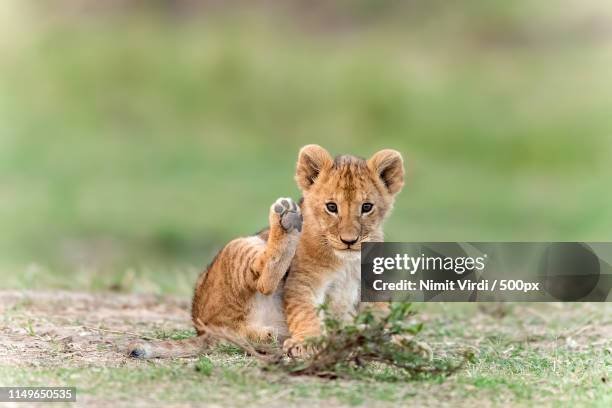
(72, 329)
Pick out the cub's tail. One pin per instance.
(170, 348)
(193, 346)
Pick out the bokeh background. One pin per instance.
(136, 137)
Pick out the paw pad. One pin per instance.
(289, 212)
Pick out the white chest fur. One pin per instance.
(344, 288)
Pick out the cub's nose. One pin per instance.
(349, 241)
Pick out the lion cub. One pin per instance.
(268, 286)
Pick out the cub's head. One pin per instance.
(347, 198)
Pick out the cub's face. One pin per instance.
(346, 199)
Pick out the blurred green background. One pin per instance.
(138, 137)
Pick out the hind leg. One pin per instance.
(285, 227)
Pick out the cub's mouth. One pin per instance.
(348, 254)
(342, 247)
(342, 250)
(346, 248)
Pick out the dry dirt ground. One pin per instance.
(59, 329)
(553, 354)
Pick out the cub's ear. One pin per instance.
(312, 159)
(389, 166)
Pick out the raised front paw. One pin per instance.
(288, 213)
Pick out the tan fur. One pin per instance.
(268, 286)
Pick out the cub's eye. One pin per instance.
(332, 207)
(366, 207)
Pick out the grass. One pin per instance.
(161, 334)
(176, 381)
(204, 366)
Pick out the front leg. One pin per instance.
(304, 292)
(272, 263)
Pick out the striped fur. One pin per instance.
(268, 286)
